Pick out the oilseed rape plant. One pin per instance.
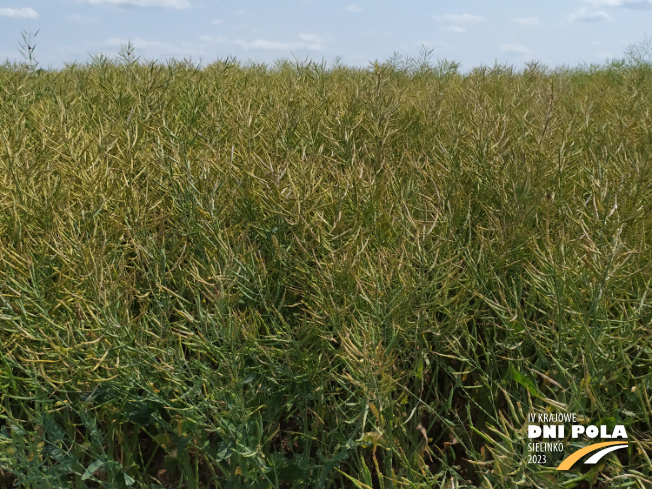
(242, 275)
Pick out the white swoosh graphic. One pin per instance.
(597, 456)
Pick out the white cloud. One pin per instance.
(461, 18)
(454, 28)
(513, 49)
(164, 4)
(152, 49)
(588, 15)
(641, 4)
(139, 43)
(20, 13)
(267, 45)
(352, 8)
(305, 42)
(216, 21)
(527, 20)
(314, 38)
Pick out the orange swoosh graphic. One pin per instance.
(575, 456)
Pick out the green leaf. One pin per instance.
(224, 451)
(90, 470)
(525, 382)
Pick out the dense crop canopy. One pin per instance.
(243, 276)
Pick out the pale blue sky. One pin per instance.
(473, 32)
